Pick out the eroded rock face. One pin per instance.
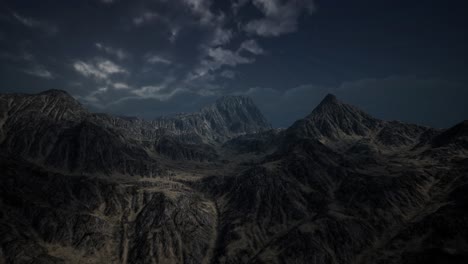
(219, 186)
(56, 218)
(228, 117)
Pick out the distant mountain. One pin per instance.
(335, 123)
(333, 120)
(221, 186)
(54, 129)
(228, 117)
(235, 115)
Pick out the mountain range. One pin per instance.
(222, 186)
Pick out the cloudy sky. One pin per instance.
(396, 59)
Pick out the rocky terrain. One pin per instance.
(221, 186)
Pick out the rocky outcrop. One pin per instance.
(333, 120)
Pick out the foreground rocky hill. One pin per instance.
(220, 186)
(53, 129)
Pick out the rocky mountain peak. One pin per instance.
(55, 93)
(226, 118)
(234, 100)
(334, 110)
(333, 119)
(330, 99)
(330, 104)
(235, 115)
(55, 104)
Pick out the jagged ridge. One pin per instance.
(335, 123)
(53, 129)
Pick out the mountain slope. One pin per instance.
(339, 186)
(344, 126)
(53, 129)
(311, 202)
(228, 117)
(334, 120)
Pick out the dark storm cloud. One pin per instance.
(151, 57)
(196, 43)
(219, 45)
(213, 51)
(280, 17)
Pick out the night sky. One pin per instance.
(397, 60)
